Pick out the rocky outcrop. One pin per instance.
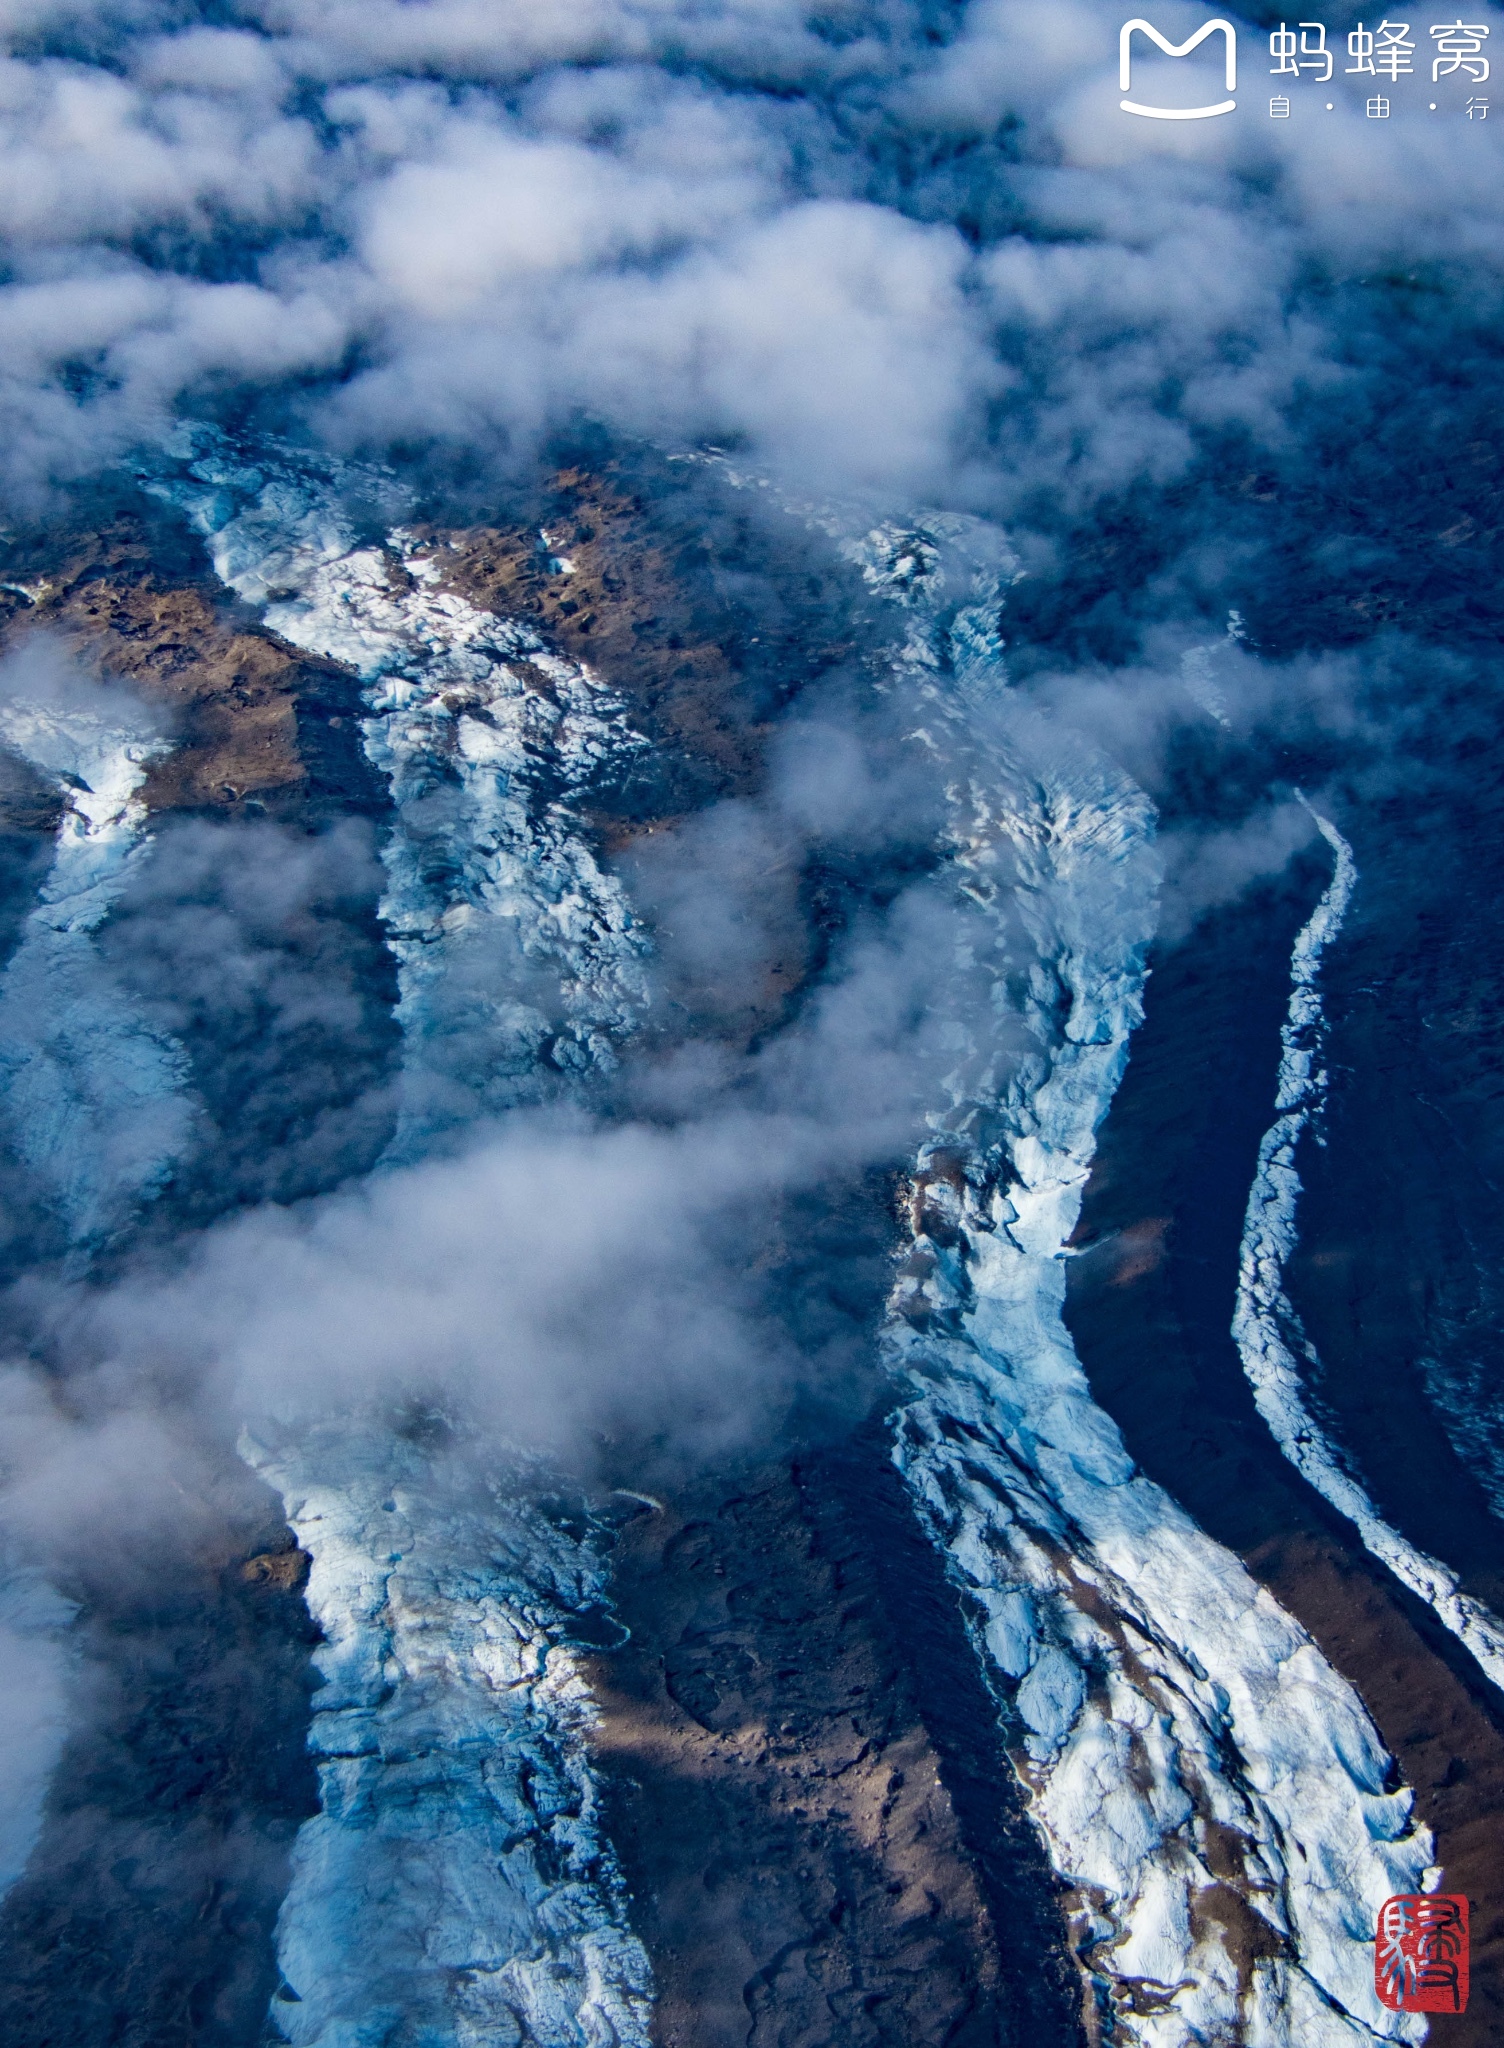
(822, 1842)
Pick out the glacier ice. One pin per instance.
(455, 1887)
(92, 1101)
(1203, 1746)
(92, 1095)
(1266, 1328)
(35, 1673)
(519, 961)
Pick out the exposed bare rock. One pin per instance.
(665, 602)
(795, 1837)
(284, 1570)
(146, 1921)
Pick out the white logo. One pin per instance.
(1207, 28)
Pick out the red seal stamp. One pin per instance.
(1420, 1953)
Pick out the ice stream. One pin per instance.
(1265, 1326)
(519, 963)
(1184, 1742)
(91, 1095)
(456, 1886)
(455, 1890)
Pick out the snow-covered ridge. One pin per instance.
(1266, 1328)
(456, 1888)
(519, 962)
(92, 1096)
(1184, 1742)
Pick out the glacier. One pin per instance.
(1266, 1327)
(455, 1887)
(519, 961)
(1178, 1733)
(36, 1677)
(91, 1094)
(92, 1103)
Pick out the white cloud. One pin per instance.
(86, 154)
(682, 217)
(499, 210)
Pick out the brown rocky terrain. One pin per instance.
(233, 694)
(805, 1782)
(798, 1869)
(667, 605)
